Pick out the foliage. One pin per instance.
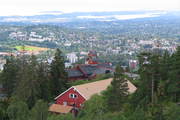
(28, 87)
(117, 93)
(93, 109)
(28, 79)
(18, 110)
(39, 111)
(174, 75)
(58, 74)
(61, 117)
(9, 75)
(3, 110)
(172, 111)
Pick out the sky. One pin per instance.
(32, 7)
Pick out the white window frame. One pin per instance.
(72, 95)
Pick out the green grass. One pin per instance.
(30, 48)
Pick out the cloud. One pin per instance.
(30, 7)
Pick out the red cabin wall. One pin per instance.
(65, 98)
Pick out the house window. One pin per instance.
(72, 96)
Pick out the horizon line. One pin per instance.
(55, 12)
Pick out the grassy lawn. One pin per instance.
(30, 48)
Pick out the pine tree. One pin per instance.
(150, 78)
(174, 77)
(39, 111)
(44, 81)
(142, 96)
(8, 75)
(165, 66)
(28, 87)
(58, 74)
(18, 110)
(117, 93)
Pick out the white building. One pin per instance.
(72, 57)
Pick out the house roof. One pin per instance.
(61, 109)
(86, 69)
(92, 53)
(74, 73)
(89, 89)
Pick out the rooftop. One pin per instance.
(86, 69)
(61, 109)
(89, 89)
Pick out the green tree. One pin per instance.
(165, 66)
(8, 75)
(28, 87)
(150, 78)
(174, 75)
(18, 110)
(58, 74)
(172, 111)
(62, 117)
(138, 114)
(165, 69)
(3, 110)
(117, 93)
(39, 111)
(93, 109)
(114, 116)
(44, 81)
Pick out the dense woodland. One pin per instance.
(31, 85)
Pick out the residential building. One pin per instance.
(75, 96)
(72, 57)
(88, 71)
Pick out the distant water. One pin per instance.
(122, 17)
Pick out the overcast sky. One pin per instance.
(31, 7)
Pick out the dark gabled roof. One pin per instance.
(92, 53)
(89, 69)
(106, 65)
(74, 73)
(100, 71)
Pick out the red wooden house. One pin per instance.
(75, 96)
(71, 97)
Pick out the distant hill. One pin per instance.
(59, 17)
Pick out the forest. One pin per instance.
(31, 85)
